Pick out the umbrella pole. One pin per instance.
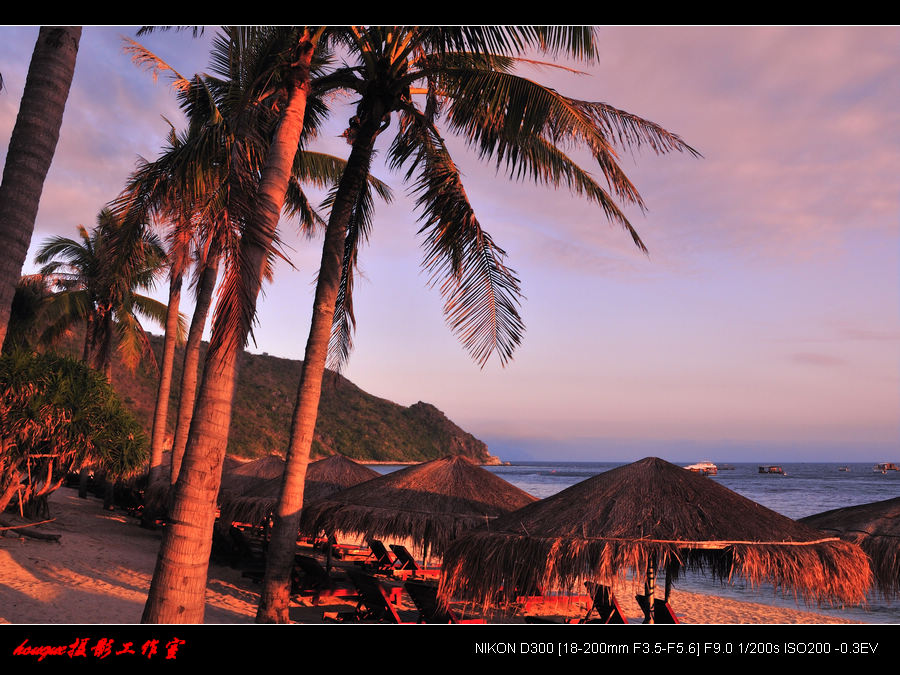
(328, 549)
(650, 586)
(668, 584)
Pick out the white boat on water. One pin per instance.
(705, 468)
(884, 467)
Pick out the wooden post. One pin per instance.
(651, 584)
(668, 584)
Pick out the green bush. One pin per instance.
(57, 415)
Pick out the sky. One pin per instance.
(763, 325)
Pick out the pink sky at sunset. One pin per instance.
(764, 324)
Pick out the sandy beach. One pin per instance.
(100, 569)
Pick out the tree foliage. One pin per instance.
(57, 415)
(98, 280)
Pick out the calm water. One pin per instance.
(806, 489)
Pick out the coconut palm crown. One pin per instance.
(461, 78)
(98, 281)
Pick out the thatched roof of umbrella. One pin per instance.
(431, 503)
(875, 527)
(618, 521)
(323, 478)
(248, 475)
(156, 494)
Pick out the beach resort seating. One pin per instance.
(407, 564)
(249, 554)
(424, 597)
(309, 578)
(381, 562)
(603, 601)
(662, 611)
(376, 603)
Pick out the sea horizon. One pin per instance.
(806, 488)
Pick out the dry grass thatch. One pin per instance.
(430, 503)
(248, 475)
(617, 522)
(156, 494)
(323, 478)
(875, 527)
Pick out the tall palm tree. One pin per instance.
(98, 283)
(177, 591)
(461, 77)
(196, 173)
(31, 150)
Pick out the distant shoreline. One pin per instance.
(396, 463)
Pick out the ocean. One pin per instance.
(804, 489)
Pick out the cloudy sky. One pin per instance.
(764, 324)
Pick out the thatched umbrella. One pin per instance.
(875, 527)
(323, 478)
(640, 516)
(249, 475)
(156, 494)
(430, 503)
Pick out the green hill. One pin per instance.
(351, 422)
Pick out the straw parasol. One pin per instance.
(156, 494)
(323, 478)
(430, 503)
(240, 479)
(875, 527)
(642, 517)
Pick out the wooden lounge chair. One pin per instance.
(605, 604)
(406, 564)
(540, 599)
(602, 601)
(376, 603)
(531, 618)
(249, 554)
(309, 578)
(381, 562)
(424, 597)
(662, 611)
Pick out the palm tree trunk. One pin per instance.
(178, 588)
(88, 339)
(161, 412)
(30, 152)
(189, 371)
(101, 343)
(275, 597)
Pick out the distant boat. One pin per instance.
(884, 467)
(772, 468)
(843, 468)
(705, 468)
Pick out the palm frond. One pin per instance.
(497, 112)
(143, 57)
(344, 321)
(481, 294)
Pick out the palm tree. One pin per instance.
(26, 312)
(460, 76)
(195, 179)
(98, 283)
(31, 150)
(177, 590)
